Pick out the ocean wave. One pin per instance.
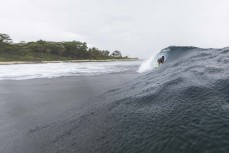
(180, 107)
(53, 70)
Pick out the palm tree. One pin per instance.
(4, 38)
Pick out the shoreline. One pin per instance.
(66, 61)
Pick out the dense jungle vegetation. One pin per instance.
(51, 51)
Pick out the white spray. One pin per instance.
(147, 65)
(151, 63)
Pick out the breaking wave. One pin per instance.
(180, 107)
(170, 53)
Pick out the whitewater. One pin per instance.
(53, 70)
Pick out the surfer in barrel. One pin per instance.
(160, 60)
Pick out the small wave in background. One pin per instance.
(53, 70)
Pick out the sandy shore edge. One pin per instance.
(67, 61)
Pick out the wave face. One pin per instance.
(53, 70)
(180, 107)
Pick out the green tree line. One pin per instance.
(44, 50)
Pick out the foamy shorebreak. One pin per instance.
(22, 71)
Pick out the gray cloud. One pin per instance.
(136, 27)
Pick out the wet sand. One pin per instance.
(35, 113)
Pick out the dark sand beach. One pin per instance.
(36, 115)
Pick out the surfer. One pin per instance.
(161, 60)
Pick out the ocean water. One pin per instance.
(53, 70)
(180, 107)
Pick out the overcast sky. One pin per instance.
(138, 28)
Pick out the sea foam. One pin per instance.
(52, 70)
